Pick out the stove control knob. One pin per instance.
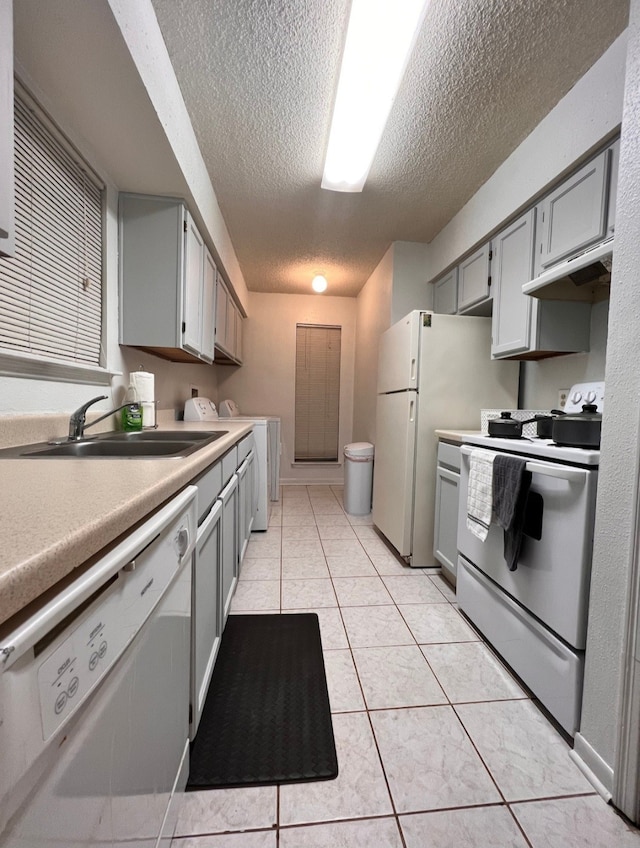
(576, 397)
(591, 396)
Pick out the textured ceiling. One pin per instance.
(258, 78)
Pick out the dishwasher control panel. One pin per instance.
(67, 676)
(76, 660)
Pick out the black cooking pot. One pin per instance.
(507, 427)
(580, 429)
(544, 424)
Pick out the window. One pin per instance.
(51, 290)
(317, 393)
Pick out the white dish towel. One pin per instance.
(480, 494)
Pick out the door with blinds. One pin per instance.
(317, 405)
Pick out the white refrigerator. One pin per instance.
(434, 372)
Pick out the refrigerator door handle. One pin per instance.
(412, 411)
(413, 370)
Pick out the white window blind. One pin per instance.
(51, 290)
(317, 393)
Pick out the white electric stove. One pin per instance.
(536, 615)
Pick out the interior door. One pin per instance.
(394, 468)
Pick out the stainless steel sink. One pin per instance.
(164, 436)
(147, 444)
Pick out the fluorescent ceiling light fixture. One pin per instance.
(380, 38)
(319, 283)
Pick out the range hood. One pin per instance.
(586, 277)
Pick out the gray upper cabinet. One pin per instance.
(7, 233)
(167, 289)
(445, 293)
(512, 267)
(574, 216)
(614, 154)
(474, 280)
(228, 325)
(192, 288)
(207, 346)
(524, 327)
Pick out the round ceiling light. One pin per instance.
(319, 283)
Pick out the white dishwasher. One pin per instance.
(94, 697)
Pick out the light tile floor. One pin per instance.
(438, 744)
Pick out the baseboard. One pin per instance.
(593, 767)
(311, 481)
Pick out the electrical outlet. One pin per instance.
(563, 394)
(194, 391)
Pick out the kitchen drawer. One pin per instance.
(552, 670)
(209, 485)
(229, 464)
(449, 455)
(244, 447)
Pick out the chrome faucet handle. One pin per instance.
(77, 419)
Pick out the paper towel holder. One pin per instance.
(155, 415)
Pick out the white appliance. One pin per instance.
(94, 697)
(266, 430)
(536, 616)
(434, 371)
(229, 409)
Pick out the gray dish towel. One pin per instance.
(511, 484)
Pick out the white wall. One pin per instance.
(542, 380)
(410, 288)
(141, 32)
(618, 481)
(373, 318)
(265, 385)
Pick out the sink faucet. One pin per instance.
(77, 421)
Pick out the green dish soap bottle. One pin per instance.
(131, 415)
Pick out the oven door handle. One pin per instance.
(570, 474)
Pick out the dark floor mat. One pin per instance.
(266, 718)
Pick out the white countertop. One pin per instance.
(57, 513)
(456, 436)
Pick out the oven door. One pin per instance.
(553, 571)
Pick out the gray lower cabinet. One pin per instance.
(206, 611)
(226, 507)
(246, 493)
(474, 281)
(167, 280)
(445, 548)
(524, 327)
(229, 501)
(7, 190)
(445, 293)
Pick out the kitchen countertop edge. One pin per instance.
(84, 506)
(455, 436)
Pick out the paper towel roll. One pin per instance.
(143, 383)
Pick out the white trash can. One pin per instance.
(358, 478)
